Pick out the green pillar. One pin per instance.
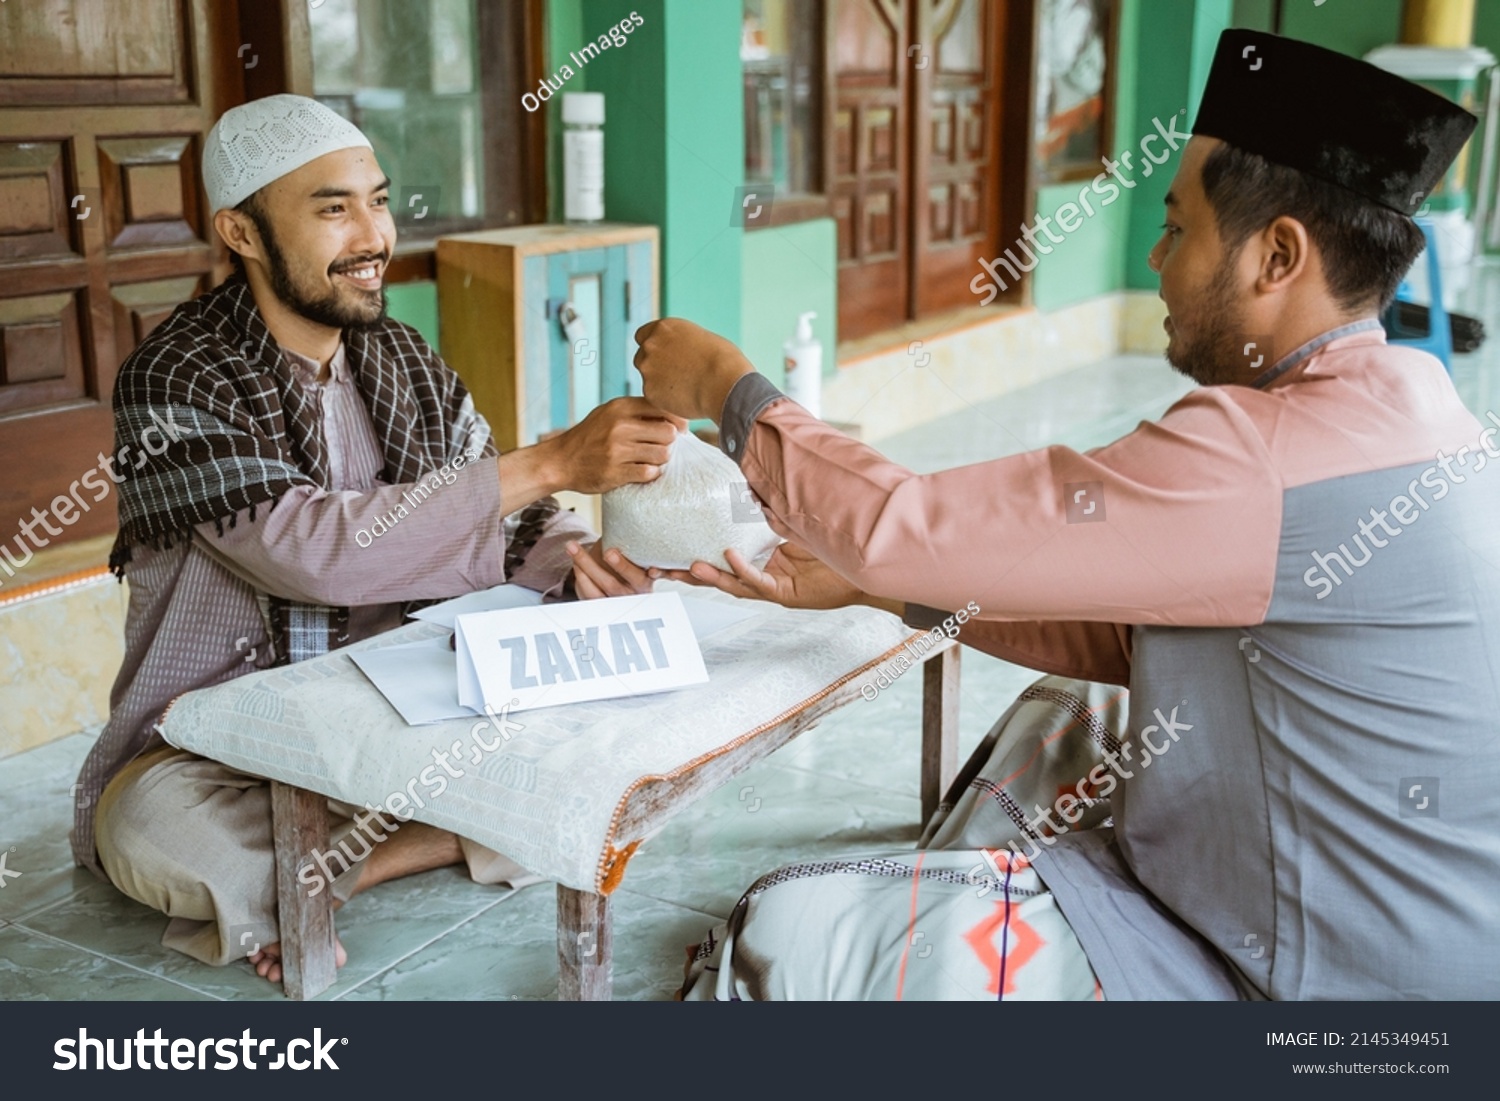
(674, 145)
(1174, 51)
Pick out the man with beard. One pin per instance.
(1296, 570)
(326, 470)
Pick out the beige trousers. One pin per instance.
(192, 838)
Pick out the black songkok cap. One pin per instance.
(1331, 116)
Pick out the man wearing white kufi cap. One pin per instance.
(282, 519)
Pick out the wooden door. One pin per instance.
(956, 164)
(869, 156)
(927, 150)
(103, 106)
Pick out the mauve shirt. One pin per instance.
(194, 619)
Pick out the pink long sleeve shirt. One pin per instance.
(1299, 579)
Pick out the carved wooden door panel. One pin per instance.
(956, 164)
(869, 160)
(917, 179)
(103, 104)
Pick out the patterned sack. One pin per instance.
(964, 917)
(966, 926)
(1041, 771)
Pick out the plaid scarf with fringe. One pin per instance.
(240, 432)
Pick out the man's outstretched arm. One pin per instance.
(1177, 523)
(436, 537)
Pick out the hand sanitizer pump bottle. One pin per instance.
(804, 366)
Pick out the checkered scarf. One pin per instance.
(240, 432)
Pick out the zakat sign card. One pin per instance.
(568, 653)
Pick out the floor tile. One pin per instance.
(510, 953)
(766, 817)
(1084, 408)
(34, 968)
(378, 928)
(36, 813)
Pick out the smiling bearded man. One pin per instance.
(304, 418)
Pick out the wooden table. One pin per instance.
(585, 937)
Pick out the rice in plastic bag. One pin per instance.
(698, 506)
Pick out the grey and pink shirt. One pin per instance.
(1299, 580)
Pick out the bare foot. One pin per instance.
(416, 847)
(267, 962)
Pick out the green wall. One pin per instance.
(1353, 27)
(1175, 49)
(673, 139)
(1164, 50)
(788, 270)
(1092, 261)
(565, 31)
(1257, 15)
(417, 305)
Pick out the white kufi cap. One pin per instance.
(261, 141)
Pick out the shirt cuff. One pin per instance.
(922, 617)
(746, 401)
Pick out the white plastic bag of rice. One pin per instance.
(698, 506)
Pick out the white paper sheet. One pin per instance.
(420, 679)
(486, 600)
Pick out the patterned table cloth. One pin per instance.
(550, 792)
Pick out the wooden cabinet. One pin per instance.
(539, 321)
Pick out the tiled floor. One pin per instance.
(848, 786)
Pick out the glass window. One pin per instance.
(406, 72)
(781, 46)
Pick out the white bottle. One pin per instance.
(804, 366)
(583, 156)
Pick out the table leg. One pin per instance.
(299, 821)
(585, 943)
(939, 728)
